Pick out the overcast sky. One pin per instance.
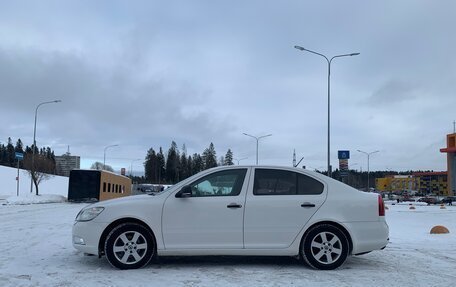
(141, 74)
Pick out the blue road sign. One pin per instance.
(343, 154)
(19, 155)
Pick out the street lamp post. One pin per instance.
(368, 157)
(34, 140)
(104, 154)
(329, 91)
(131, 166)
(257, 139)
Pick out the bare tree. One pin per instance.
(99, 166)
(42, 170)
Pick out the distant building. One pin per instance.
(423, 182)
(65, 163)
(393, 183)
(437, 183)
(432, 182)
(450, 150)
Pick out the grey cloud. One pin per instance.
(144, 73)
(391, 93)
(100, 107)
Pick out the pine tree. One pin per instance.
(229, 158)
(190, 165)
(209, 157)
(160, 166)
(172, 164)
(3, 155)
(197, 163)
(185, 168)
(151, 166)
(10, 153)
(19, 146)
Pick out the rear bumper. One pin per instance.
(368, 236)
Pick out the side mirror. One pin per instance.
(185, 192)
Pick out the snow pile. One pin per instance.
(35, 199)
(54, 185)
(394, 202)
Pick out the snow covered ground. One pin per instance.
(37, 251)
(54, 185)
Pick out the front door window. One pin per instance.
(223, 183)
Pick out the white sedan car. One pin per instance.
(237, 210)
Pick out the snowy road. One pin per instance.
(36, 251)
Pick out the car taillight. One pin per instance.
(381, 206)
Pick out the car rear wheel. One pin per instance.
(130, 246)
(324, 247)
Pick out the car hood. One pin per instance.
(128, 200)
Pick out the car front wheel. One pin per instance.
(324, 247)
(129, 246)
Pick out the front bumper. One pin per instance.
(86, 236)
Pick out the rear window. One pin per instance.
(308, 185)
(282, 182)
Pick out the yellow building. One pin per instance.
(393, 183)
(383, 184)
(437, 183)
(433, 183)
(424, 182)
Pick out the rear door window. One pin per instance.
(283, 182)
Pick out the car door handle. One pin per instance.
(234, 205)
(307, 204)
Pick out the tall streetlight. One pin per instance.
(329, 91)
(34, 140)
(257, 139)
(368, 156)
(131, 165)
(104, 154)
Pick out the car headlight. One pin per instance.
(89, 213)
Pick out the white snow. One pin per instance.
(35, 199)
(37, 251)
(54, 185)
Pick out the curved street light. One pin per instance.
(104, 154)
(131, 165)
(34, 140)
(368, 156)
(329, 90)
(257, 139)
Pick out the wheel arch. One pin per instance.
(117, 222)
(335, 224)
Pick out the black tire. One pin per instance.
(324, 247)
(130, 246)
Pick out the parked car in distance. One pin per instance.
(428, 200)
(237, 210)
(448, 200)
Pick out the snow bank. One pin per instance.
(54, 185)
(35, 199)
(394, 202)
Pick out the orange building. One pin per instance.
(450, 150)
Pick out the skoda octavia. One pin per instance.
(237, 210)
